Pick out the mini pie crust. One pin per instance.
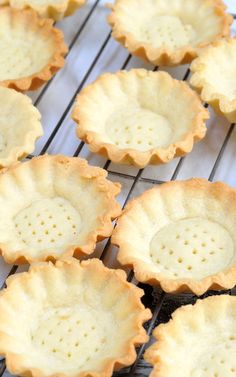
(181, 236)
(214, 77)
(55, 9)
(201, 338)
(19, 126)
(32, 50)
(70, 319)
(133, 117)
(168, 34)
(54, 206)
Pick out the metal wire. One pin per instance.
(65, 113)
(221, 152)
(84, 23)
(134, 178)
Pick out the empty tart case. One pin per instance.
(32, 50)
(205, 332)
(83, 320)
(128, 117)
(180, 236)
(19, 126)
(55, 9)
(54, 206)
(213, 76)
(168, 32)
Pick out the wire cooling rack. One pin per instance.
(92, 51)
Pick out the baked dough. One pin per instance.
(70, 319)
(199, 341)
(19, 126)
(181, 236)
(54, 206)
(168, 32)
(214, 77)
(55, 9)
(32, 50)
(139, 117)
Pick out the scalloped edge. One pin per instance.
(219, 102)
(34, 132)
(57, 61)
(13, 361)
(55, 11)
(105, 226)
(165, 331)
(129, 155)
(225, 279)
(164, 56)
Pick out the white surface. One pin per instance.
(58, 95)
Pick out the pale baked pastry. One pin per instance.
(214, 77)
(181, 236)
(133, 117)
(55, 9)
(19, 126)
(70, 319)
(32, 49)
(54, 206)
(168, 32)
(199, 341)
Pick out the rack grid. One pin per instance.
(92, 51)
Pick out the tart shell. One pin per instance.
(222, 197)
(53, 10)
(212, 356)
(86, 105)
(42, 283)
(24, 124)
(36, 174)
(34, 22)
(163, 55)
(218, 101)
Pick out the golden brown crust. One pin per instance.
(57, 61)
(52, 10)
(71, 267)
(222, 104)
(42, 166)
(24, 124)
(86, 103)
(196, 188)
(217, 311)
(164, 56)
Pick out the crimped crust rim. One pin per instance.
(57, 61)
(162, 331)
(207, 91)
(13, 361)
(165, 56)
(54, 11)
(105, 221)
(138, 158)
(18, 152)
(224, 279)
